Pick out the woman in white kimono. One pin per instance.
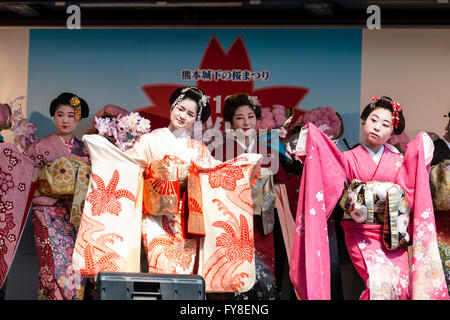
(196, 212)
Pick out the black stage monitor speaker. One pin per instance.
(145, 286)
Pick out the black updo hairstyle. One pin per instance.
(238, 100)
(385, 103)
(64, 99)
(195, 94)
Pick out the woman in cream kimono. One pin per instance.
(388, 212)
(62, 174)
(194, 213)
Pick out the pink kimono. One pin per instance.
(16, 171)
(387, 273)
(54, 234)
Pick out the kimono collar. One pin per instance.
(179, 134)
(250, 146)
(69, 144)
(375, 156)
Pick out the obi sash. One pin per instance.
(263, 196)
(65, 178)
(379, 202)
(162, 186)
(163, 181)
(440, 185)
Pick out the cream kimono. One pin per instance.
(219, 201)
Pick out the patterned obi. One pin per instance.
(263, 197)
(67, 179)
(163, 182)
(440, 185)
(379, 202)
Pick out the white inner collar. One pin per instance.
(375, 156)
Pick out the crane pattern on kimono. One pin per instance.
(105, 199)
(234, 247)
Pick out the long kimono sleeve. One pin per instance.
(323, 178)
(16, 192)
(109, 234)
(37, 154)
(427, 277)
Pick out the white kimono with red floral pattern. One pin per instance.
(113, 222)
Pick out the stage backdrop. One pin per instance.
(340, 68)
(138, 69)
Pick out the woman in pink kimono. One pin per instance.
(193, 213)
(62, 172)
(387, 207)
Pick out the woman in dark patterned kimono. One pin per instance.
(241, 113)
(62, 172)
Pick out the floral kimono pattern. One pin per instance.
(16, 171)
(440, 190)
(322, 185)
(113, 219)
(263, 196)
(63, 173)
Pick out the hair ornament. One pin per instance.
(254, 100)
(201, 103)
(179, 98)
(373, 100)
(396, 114)
(76, 105)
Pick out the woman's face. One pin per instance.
(65, 120)
(184, 114)
(244, 118)
(378, 127)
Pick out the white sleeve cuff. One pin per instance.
(428, 147)
(300, 148)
